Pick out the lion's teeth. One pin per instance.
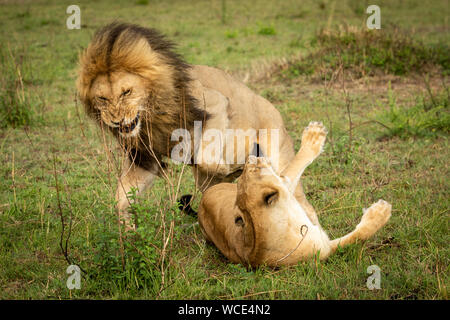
(130, 127)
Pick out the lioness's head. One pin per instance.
(131, 80)
(261, 197)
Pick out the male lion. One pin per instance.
(131, 82)
(259, 221)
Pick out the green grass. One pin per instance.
(17, 107)
(404, 160)
(429, 116)
(267, 31)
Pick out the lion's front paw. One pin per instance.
(126, 220)
(313, 137)
(130, 227)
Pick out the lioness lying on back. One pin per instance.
(259, 221)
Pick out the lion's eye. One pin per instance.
(102, 99)
(126, 92)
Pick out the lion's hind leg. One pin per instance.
(372, 220)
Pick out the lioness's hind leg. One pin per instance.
(372, 220)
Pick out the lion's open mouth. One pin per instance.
(130, 126)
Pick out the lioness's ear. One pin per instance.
(271, 197)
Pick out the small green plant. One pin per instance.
(296, 43)
(267, 31)
(47, 22)
(135, 260)
(24, 14)
(232, 34)
(298, 68)
(344, 150)
(429, 116)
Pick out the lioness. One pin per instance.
(259, 220)
(132, 83)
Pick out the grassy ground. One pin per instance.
(388, 139)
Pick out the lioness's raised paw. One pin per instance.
(313, 137)
(374, 218)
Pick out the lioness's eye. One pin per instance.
(271, 197)
(102, 99)
(127, 92)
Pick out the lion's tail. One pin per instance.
(184, 204)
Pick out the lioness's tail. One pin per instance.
(184, 204)
(372, 220)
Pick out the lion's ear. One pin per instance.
(271, 198)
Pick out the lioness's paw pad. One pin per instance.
(314, 137)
